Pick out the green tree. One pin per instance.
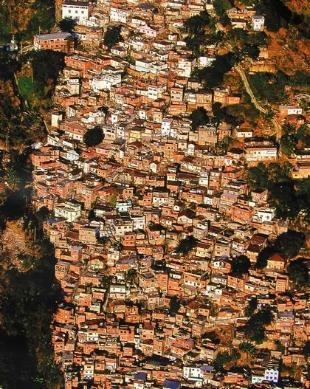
(186, 245)
(251, 51)
(303, 135)
(256, 334)
(289, 243)
(221, 6)
(212, 336)
(276, 13)
(259, 38)
(247, 347)
(251, 307)
(258, 177)
(174, 305)
(223, 145)
(280, 346)
(131, 276)
(12, 178)
(282, 195)
(45, 77)
(220, 113)
(306, 349)
(303, 196)
(269, 86)
(199, 117)
(213, 75)
(112, 36)
(235, 355)
(94, 136)
(67, 24)
(255, 326)
(196, 24)
(298, 272)
(240, 265)
(8, 66)
(263, 256)
(221, 359)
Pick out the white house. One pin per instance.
(286, 110)
(264, 215)
(272, 374)
(184, 67)
(138, 222)
(78, 10)
(204, 179)
(193, 373)
(261, 153)
(143, 65)
(118, 15)
(166, 126)
(205, 61)
(258, 22)
(244, 133)
(69, 211)
(105, 82)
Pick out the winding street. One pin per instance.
(276, 125)
(249, 90)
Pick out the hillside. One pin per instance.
(25, 18)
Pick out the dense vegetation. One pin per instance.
(45, 77)
(93, 136)
(277, 14)
(212, 76)
(288, 245)
(287, 195)
(199, 117)
(67, 24)
(29, 294)
(240, 265)
(255, 326)
(28, 301)
(269, 86)
(25, 18)
(112, 36)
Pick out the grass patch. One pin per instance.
(26, 88)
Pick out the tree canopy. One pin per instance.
(306, 349)
(251, 306)
(45, 77)
(240, 265)
(298, 272)
(263, 256)
(199, 117)
(93, 136)
(213, 75)
(112, 36)
(221, 6)
(289, 243)
(247, 347)
(255, 326)
(174, 305)
(269, 86)
(195, 24)
(67, 24)
(186, 245)
(288, 196)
